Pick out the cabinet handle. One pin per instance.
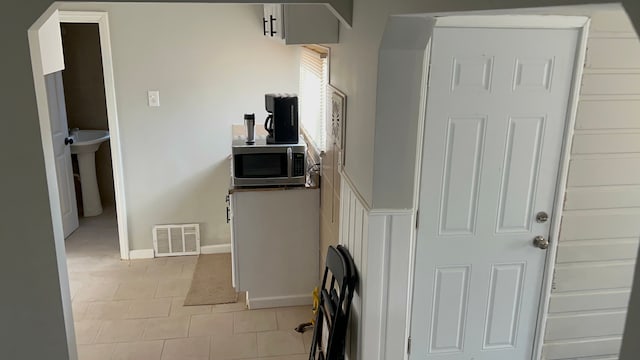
(264, 26)
(228, 219)
(271, 20)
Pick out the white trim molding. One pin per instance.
(141, 254)
(561, 188)
(102, 19)
(280, 301)
(513, 21)
(215, 249)
(36, 36)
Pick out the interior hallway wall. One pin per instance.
(33, 269)
(211, 64)
(84, 95)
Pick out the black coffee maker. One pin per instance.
(282, 122)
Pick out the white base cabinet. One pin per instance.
(275, 245)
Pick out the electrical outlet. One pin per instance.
(154, 98)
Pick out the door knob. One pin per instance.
(68, 141)
(540, 242)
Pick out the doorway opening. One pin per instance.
(89, 94)
(96, 234)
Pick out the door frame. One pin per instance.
(581, 24)
(101, 18)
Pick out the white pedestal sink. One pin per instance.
(85, 144)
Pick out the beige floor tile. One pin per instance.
(166, 328)
(143, 350)
(96, 291)
(79, 308)
(178, 308)
(118, 273)
(289, 318)
(136, 290)
(275, 343)
(152, 308)
(287, 357)
(233, 307)
(182, 260)
(307, 337)
(106, 310)
(196, 348)
(74, 286)
(188, 269)
(144, 263)
(211, 324)
(254, 320)
(237, 346)
(95, 351)
(164, 271)
(86, 331)
(113, 331)
(173, 288)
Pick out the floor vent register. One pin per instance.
(176, 240)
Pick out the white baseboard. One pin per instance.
(215, 249)
(141, 254)
(279, 301)
(208, 249)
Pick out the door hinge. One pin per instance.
(417, 218)
(409, 345)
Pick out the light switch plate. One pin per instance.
(154, 98)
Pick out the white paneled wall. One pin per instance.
(353, 235)
(378, 326)
(601, 219)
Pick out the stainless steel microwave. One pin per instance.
(263, 164)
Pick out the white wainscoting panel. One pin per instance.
(378, 241)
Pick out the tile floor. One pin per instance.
(133, 309)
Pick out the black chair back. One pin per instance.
(338, 285)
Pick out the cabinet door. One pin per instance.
(234, 252)
(273, 21)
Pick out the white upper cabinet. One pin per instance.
(272, 21)
(300, 24)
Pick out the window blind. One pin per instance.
(313, 89)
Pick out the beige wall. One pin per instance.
(211, 64)
(84, 95)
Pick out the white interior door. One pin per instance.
(496, 111)
(62, 152)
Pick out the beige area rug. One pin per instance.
(211, 283)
